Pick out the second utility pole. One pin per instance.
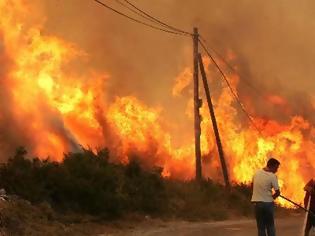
(197, 105)
(214, 123)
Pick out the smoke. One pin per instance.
(8, 125)
(273, 44)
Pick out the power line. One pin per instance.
(136, 20)
(148, 17)
(230, 87)
(177, 32)
(233, 69)
(258, 92)
(157, 20)
(136, 12)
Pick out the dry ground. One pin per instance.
(286, 226)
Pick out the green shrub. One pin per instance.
(84, 182)
(144, 190)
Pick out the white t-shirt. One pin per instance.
(263, 182)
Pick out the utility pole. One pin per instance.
(214, 122)
(197, 105)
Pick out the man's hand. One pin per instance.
(276, 194)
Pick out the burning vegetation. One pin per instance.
(52, 106)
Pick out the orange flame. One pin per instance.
(57, 110)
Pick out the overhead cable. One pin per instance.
(232, 68)
(157, 20)
(230, 87)
(136, 20)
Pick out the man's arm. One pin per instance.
(306, 198)
(276, 194)
(275, 186)
(309, 189)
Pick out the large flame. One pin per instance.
(53, 109)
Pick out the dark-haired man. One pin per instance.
(309, 203)
(264, 181)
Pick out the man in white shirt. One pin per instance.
(264, 181)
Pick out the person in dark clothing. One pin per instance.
(309, 203)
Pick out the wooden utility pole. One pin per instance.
(197, 105)
(214, 122)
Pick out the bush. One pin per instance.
(84, 182)
(144, 190)
(206, 200)
(87, 182)
(24, 177)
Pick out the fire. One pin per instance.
(277, 100)
(53, 110)
(182, 81)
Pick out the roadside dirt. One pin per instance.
(286, 226)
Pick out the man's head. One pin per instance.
(273, 165)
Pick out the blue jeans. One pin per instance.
(265, 218)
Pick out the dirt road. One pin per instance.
(290, 226)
